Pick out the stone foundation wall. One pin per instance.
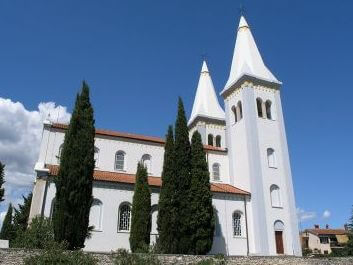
(16, 256)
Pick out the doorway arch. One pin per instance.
(279, 229)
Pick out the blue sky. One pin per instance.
(139, 56)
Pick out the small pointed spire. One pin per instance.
(243, 23)
(204, 67)
(206, 103)
(247, 59)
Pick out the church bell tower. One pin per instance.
(257, 149)
(207, 116)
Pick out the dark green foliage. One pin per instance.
(182, 189)
(349, 247)
(125, 258)
(75, 177)
(200, 200)
(2, 181)
(20, 218)
(7, 230)
(307, 252)
(59, 256)
(210, 261)
(141, 212)
(167, 212)
(38, 235)
(336, 252)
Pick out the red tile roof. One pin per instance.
(152, 181)
(132, 136)
(318, 231)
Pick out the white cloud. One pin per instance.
(20, 136)
(326, 214)
(305, 215)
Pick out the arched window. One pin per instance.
(147, 162)
(275, 196)
(271, 158)
(234, 110)
(215, 171)
(217, 229)
(268, 109)
(120, 160)
(240, 111)
(124, 217)
(52, 209)
(218, 141)
(95, 215)
(236, 224)
(154, 215)
(210, 139)
(58, 157)
(259, 107)
(96, 156)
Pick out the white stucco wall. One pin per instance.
(134, 150)
(112, 195)
(248, 140)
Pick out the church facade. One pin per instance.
(246, 150)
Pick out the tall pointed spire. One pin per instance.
(206, 103)
(247, 59)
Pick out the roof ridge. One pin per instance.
(153, 180)
(134, 136)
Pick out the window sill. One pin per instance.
(97, 231)
(273, 167)
(120, 170)
(124, 232)
(235, 123)
(277, 207)
(239, 237)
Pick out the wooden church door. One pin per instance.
(279, 242)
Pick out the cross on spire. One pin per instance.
(242, 10)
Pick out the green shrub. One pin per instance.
(218, 259)
(61, 257)
(123, 257)
(307, 252)
(39, 235)
(206, 262)
(339, 252)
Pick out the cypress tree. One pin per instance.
(182, 189)
(7, 230)
(202, 222)
(75, 177)
(167, 213)
(348, 250)
(141, 212)
(20, 218)
(2, 181)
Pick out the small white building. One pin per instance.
(247, 154)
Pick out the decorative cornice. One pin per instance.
(130, 136)
(115, 177)
(203, 120)
(250, 81)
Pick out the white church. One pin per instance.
(247, 154)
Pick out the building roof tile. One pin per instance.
(133, 136)
(118, 177)
(318, 231)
